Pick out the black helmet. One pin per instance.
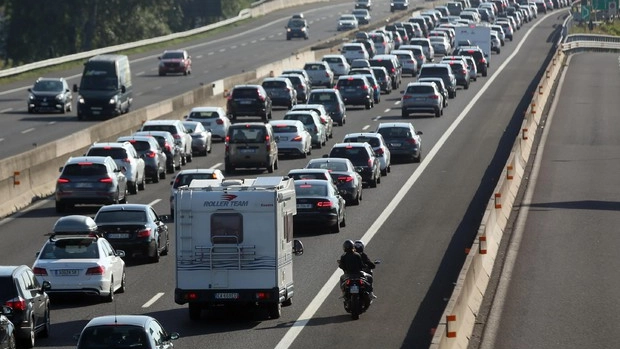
(359, 246)
(347, 246)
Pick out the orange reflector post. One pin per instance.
(482, 244)
(15, 179)
(509, 172)
(498, 198)
(451, 325)
(524, 133)
(533, 108)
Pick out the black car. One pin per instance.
(30, 304)
(301, 86)
(392, 65)
(249, 100)
(152, 154)
(319, 203)
(481, 60)
(363, 157)
(50, 94)
(396, 5)
(297, 28)
(343, 173)
(281, 91)
(356, 90)
(7, 329)
(135, 229)
(172, 150)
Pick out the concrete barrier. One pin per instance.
(457, 321)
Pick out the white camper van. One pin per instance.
(234, 244)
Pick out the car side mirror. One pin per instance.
(419, 133)
(325, 155)
(75, 88)
(166, 218)
(46, 286)
(123, 89)
(60, 169)
(119, 253)
(298, 247)
(29, 90)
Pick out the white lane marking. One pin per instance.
(140, 73)
(152, 203)
(51, 122)
(27, 130)
(365, 127)
(1, 139)
(210, 53)
(222, 50)
(378, 117)
(318, 300)
(271, 36)
(152, 300)
(233, 47)
(253, 42)
(6, 110)
(244, 43)
(219, 164)
(261, 39)
(156, 88)
(387, 110)
(491, 329)
(397, 103)
(199, 56)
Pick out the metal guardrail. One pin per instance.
(591, 42)
(243, 14)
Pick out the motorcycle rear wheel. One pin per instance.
(355, 306)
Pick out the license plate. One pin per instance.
(247, 151)
(229, 295)
(118, 236)
(83, 185)
(207, 124)
(44, 104)
(245, 102)
(304, 205)
(96, 112)
(66, 272)
(354, 289)
(420, 98)
(282, 138)
(395, 144)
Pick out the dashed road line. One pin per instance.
(210, 53)
(219, 164)
(365, 127)
(376, 118)
(387, 110)
(6, 110)
(152, 300)
(28, 130)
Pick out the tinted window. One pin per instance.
(244, 93)
(47, 85)
(374, 142)
(247, 135)
(357, 155)
(117, 336)
(204, 115)
(169, 128)
(307, 176)
(227, 228)
(173, 55)
(350, 82)
(7, 288)
(114, 153)
(322, 97)
(419, 89)
(305, 119)
(351, 48)
(70, 249)
(436, 71)
(85, 169)
(141, 145)
(285, 129)
(314, 67)
(274, 84)
(332, 60)
(120, 216)
(332, 166)
(186, 179)
(395, 132)
(302, 189)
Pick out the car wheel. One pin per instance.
(228, 169)
(343, 223)
(335, 228)
(384, 172)
(170, 168)
(404, 114)
(142, 184)
(118, 198)
(29, 341)
(155, 257)
(156, 178)
(133, 187)
(110, 296)
(274, 310)
(484, 73)
(437, 113)
(166, 249)
(45, 332)
(60, 207)
(373, 183)
(466, 86)
(123, 287)
(11, 341)
(183, 160)
(189, 157)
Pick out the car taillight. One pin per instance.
(106, 180)
(364, 87)
(168, 147)
(144, 233)
(151, 154)
(301, 86)
(126, 160)
(464, 71)
(360, 51)
(267, 143)
(219, 121)
(63, 180)
(336, 87)
(324, 204)
(345, 178)
(407, 96)
(229, 98)
(261, 97)
(176, 136)
(326, 74)
(370, 163)
(98, 270)
(296, 139)
(393, 70)
(412, 141)
(17, 303)
(39, 271)
(433, 97)
(379, 151)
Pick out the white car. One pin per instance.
(354, 50)
(125, 156)
(338, 63)
(408, 61)
(377, 143)
(212, 118)
(80, 264)
(441, 45)
(347, 22)
(496, 43)
(181, 137)
(292, 138)
(326, 120)
(201, 137)
(185, 177)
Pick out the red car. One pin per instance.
(175, 62)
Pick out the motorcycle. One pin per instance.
(356, 294)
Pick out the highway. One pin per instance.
(243, 48)
(558, 287)
(418, 221)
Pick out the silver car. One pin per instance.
(347, 22)
(124, 155)
(292, 138)
(201, 137)
(408, 61)
(326, 119)
(320, 73)
(312, 122)
(213, 119)
(422, 97)
(377, 143)
(441, 45)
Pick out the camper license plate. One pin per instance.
(354, 289)
(229, 295)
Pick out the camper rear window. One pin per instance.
(226, 228)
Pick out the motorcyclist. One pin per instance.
(368, 264)
(352, 264)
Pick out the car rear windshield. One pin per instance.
(387, 64)
(302, 189)
(245, 93)
(419, 42)
(70, 249)
(357, 155)
(314, 67)
(85, 169)
(121, 216)
(322, 98)
(274, 84)
(395, 132)
(474, 53)
(297, 176)
(296, 23)
(114, 153)
(140, 146)
(109, 336)
(186, 179)
(247, 135)
(305, 119)
(350, 82)
(284, 129)
(332, 60)
(203, 115)
(329, 165)
(351, 48)
(167, 128)
(172, 55)
(419, 89)
(433, 71)
(374, 142)
(7, 288)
